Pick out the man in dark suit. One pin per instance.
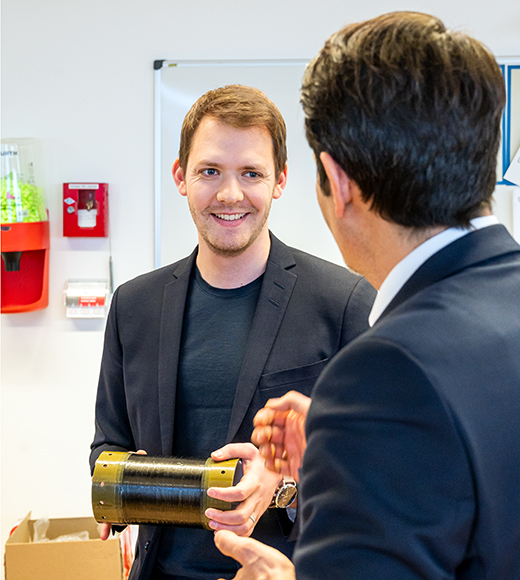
(195, 349)
(411, 470)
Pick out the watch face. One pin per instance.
(286, 496)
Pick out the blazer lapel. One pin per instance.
(277, 287)
(477, 246)
(172, 316)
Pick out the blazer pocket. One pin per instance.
(298, 379)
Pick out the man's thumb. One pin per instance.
(230, 544)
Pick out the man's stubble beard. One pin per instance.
(225, 250)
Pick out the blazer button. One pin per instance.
(147, 545)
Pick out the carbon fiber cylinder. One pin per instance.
(129, 488)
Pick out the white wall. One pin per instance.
(78, 76)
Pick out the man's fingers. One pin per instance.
(271, 451)
(235, 521)
(268, 452)
(237, 547)
(268, 455)
(238, 492)
(279, 432)
(264, 417)
(104, 531)
(267, 434)
(267, 417)
(259, 562)
(261, 435)
(293, 400)
(295, 441)
(234, 450)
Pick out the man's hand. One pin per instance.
(280, 433)
(104, 531)
(259, 562)
(254, 491)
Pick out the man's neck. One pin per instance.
(222, 271)
(392, 245)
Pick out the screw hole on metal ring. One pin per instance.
(223, 472)
(105, 465)
(101, 502)
(102, 484)
(103, 517)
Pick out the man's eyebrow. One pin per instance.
(208, 163)
(249, 167)
(258, 167)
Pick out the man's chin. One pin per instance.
(231, 246)
(228, 251)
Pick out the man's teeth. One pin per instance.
(229, 217)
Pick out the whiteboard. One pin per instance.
(295, 218)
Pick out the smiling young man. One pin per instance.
(193, 350)
(230, 181)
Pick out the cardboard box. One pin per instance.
(79, 560)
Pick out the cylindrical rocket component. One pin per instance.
(130, 488)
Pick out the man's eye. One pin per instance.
(253, 174)
(209, 172)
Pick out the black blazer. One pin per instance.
(307, 310)
(412, 469)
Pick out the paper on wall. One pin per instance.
(516, 213)
(513, 172)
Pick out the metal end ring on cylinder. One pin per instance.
(130, 488)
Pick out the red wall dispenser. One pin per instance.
(85, 210)
(24, 228)
(25, 266)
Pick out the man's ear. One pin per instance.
(340, 183)
(178, 177)
(280, 185)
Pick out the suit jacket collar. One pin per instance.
(475, 247)
(172, 316)
(277, 287)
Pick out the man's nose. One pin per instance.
(230, 191)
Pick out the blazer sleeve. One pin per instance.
(386, 485)
(112, 425)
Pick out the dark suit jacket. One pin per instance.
(307, 310)
(412, 469)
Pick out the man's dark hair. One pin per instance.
(241, 107)
(411, 112)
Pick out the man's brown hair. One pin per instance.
(241, 107)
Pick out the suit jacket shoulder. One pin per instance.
(328, 287)
(154, 281)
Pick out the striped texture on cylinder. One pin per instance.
(130, 488)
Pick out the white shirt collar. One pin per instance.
(400, 274)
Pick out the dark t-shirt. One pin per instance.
(216, 328)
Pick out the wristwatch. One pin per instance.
(285, 494)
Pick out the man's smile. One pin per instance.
(229, 217)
